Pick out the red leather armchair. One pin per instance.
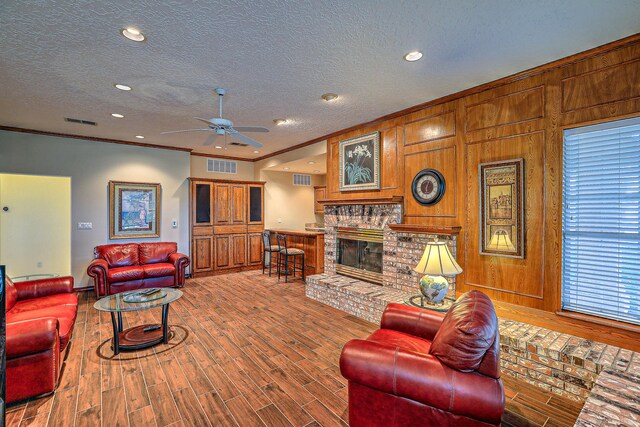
(426, 368)
(122, 267)
(40, 319)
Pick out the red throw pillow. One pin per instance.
(467, 331)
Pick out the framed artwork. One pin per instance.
(134, 210)
(501, 208)
(360, 163)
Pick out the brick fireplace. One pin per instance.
(402, 248)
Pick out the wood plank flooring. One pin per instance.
(246, 351)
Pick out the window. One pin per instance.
(601, 220)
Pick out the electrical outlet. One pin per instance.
(39, 264)
(85, 226)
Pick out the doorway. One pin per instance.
(35, 224)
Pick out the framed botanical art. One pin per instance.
(360, 163)
(501, 208)
(134, 210)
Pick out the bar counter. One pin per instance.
(311, 242)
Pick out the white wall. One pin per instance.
(91, 165)
(292, 204)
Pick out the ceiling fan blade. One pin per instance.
(234, 133)
(203, 120)
(184, 130)
(250, 129)
(211, 139)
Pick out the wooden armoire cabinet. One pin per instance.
(226, 219)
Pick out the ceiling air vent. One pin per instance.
(303, 180)
(222, 166)
(238, 144)
(80, 121)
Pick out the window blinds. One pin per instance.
(601, 220)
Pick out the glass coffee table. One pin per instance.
(142, 336)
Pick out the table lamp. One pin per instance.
(500, 241)
(436, 262)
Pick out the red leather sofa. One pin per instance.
(427, 368)
(40, 319)
(122, 267)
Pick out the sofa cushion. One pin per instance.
(11, 296)
(124, 274)
(400, 339)
(118, 255)
(45, 302)
(159, 270)
(152, 253)
(466, 333)
(66, 315)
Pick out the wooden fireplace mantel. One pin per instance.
(452, 230)
(392, 200)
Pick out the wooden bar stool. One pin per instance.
(268, 248)
(287, 252)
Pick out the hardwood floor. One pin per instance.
(247, 351)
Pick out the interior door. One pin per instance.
(35, 224)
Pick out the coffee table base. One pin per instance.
(136, 338)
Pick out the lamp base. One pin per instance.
(434, 288)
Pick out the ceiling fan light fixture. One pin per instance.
(412, 56)
(122, 87)
(133, 34)
(328, 97)
(117, 115)
(280, 122)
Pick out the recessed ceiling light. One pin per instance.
(311, 163)
(286, 169)
(218, 146)
(329, 97)
(122, 87)
(139, 136)
(117, 116)
(280, 122)
(132, 34)
(255, 151)
(316, 171)
(412, 56)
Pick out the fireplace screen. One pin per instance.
(359, 254)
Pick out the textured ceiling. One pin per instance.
(319, 167)
(275, 58)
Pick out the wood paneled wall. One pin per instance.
(522, 116)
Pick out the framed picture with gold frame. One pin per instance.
(502, 208)
(134, 210)
(360, 163)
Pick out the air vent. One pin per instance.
(238, 144)
(303, 180)
(222, 166)
(80, 121)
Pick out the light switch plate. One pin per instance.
(85, 226)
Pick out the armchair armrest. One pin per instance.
(98, 270)
(180, 261)
(422, 378)
(44, 287)
(412, 320)
(31, 336)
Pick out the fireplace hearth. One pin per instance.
(359, 253)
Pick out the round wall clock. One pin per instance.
(428, 187)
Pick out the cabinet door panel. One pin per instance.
(238, 203)
(319, 193)
(239, 251)
(223, 245)
(255, 209)
(255, 248)
(201, 198)
(221, 201)
(202, 254)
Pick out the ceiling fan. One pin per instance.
(220, 126)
